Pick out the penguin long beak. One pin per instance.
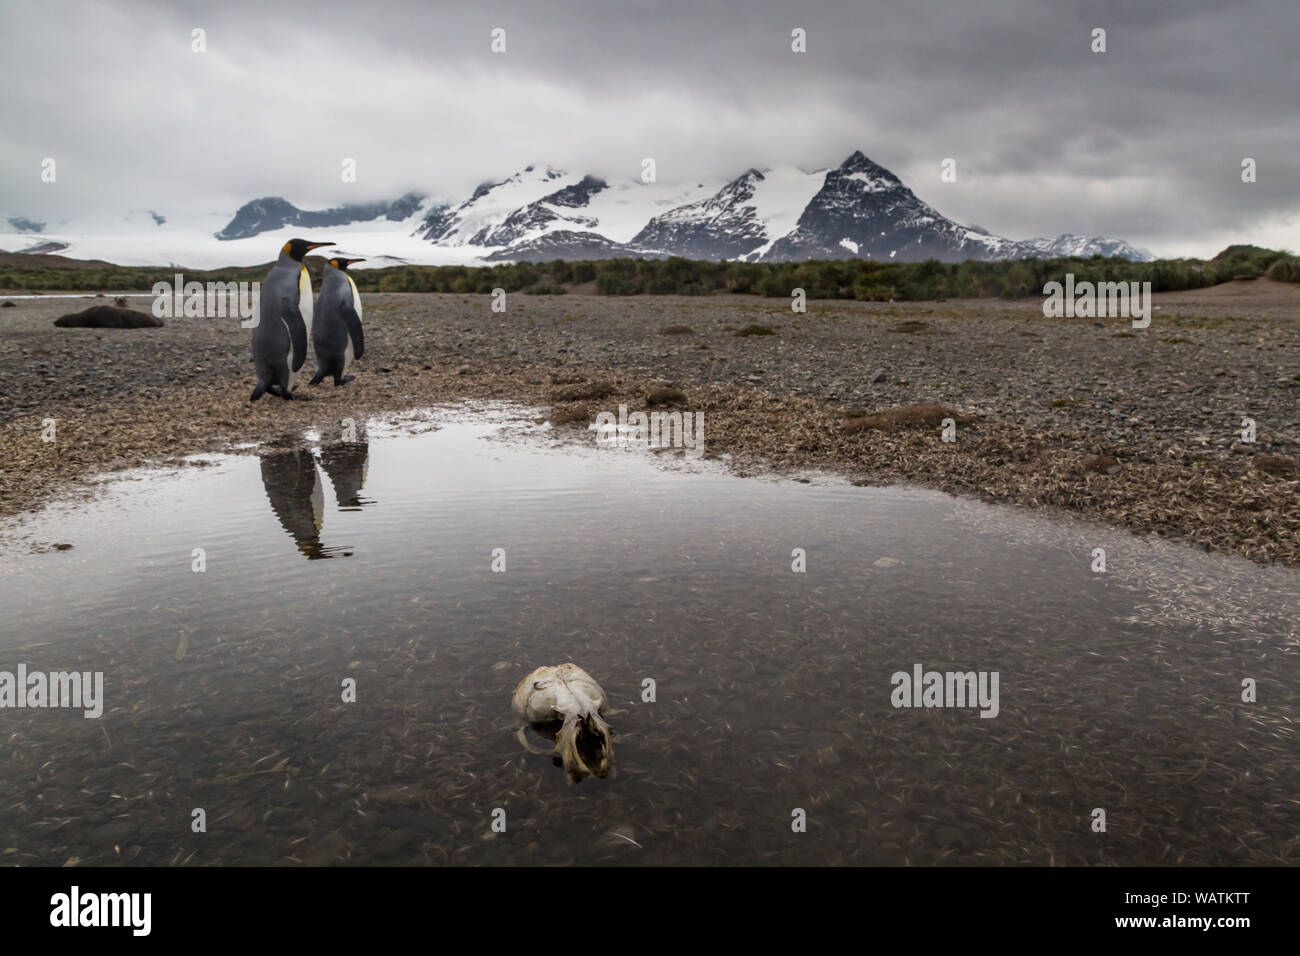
(317, 245)
(348, 262)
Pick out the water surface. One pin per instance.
(373, 560)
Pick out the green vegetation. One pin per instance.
(1285, 269)
(861, 279)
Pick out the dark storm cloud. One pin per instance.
(1144, 141)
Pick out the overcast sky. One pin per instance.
(1143, 142)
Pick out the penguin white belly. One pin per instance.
(288, 358)
(356, 304)
(304, 299)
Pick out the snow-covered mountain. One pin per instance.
(864, 211)
(1068, 244)
(741, 220)
(575, 217)
(22, 224)
(272, 213)
(855, 210)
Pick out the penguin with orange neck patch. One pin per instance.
(284, 321)
(337, 334)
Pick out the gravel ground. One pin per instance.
(1038, 398)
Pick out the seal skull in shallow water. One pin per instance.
(570, 696)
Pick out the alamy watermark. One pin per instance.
(198, 300)
(946, 689)
(78, 689)
(1086, 300)
(683, 430)
(77, 909)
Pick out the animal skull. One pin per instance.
(569, 695)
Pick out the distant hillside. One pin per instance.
(837, 279)
(1085, 247)
(272, 213)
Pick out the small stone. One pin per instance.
(405, 819)
(887, 562)
(112, 834)
(947, 836)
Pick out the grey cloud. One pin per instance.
(1142, 142)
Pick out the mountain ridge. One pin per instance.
(858, 209)
(272, 212)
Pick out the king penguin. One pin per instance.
(337, 335)
(284, 321)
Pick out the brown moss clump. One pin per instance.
(1278, 465)
(913, 327)
(922, 415)
(664, 396)
(566, 414)
(582, 391)
(1100, 465)
(754, 329)
(677, 330)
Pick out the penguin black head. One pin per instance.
(297, 248)
(342, 264)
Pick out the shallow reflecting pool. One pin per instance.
(228, 603)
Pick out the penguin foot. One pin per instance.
(344, 380)
(317, 378)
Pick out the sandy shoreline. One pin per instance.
(1042, 396)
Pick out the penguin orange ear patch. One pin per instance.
(286, 249)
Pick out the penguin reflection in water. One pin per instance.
(337, 335)
(293, 486)
(284, 321)
(347, 463)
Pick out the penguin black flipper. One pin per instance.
(353, 322)
(297, 334)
